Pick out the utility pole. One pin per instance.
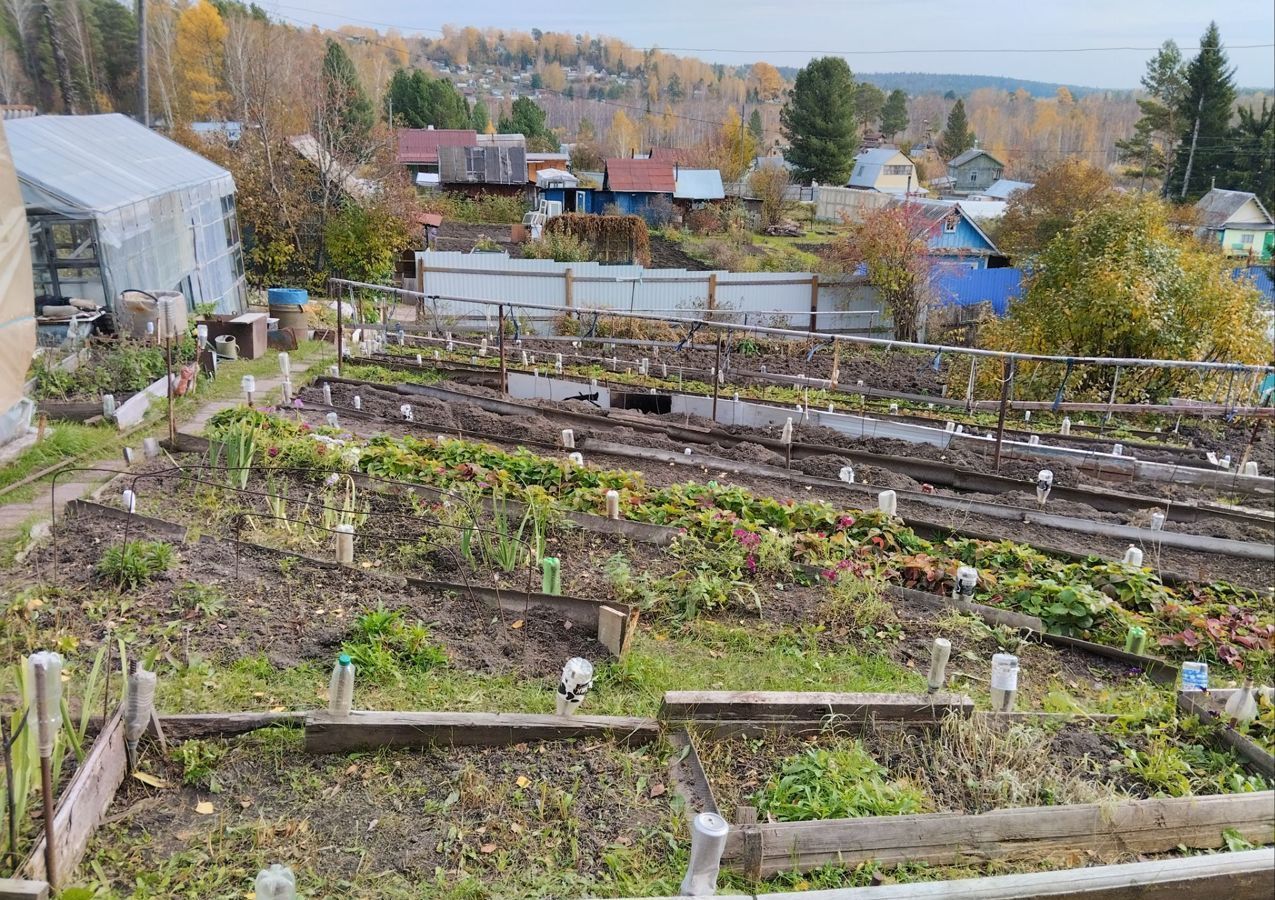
(1190, 156)
(143, 68)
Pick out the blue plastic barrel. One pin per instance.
(287, 296)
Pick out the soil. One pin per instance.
(666, 254)
(463, 236)
(303, 614)
(1195, 565)
(525, 819)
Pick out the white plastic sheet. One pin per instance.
(17, 296)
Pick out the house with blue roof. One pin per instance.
(954, 237)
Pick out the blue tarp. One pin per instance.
(959, 286)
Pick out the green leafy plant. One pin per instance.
(384, 645)
(1071, 609)
(132, 564)
(836, 784)
(199, 760)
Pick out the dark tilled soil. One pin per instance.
(304, 614)
(666, 254)
(463, 236)
(512, 816)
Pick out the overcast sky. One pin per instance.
(790, 32)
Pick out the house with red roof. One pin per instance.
(633, 185)
(418, 147)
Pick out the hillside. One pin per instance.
(914, 83)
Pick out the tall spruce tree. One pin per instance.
(349, 114)
(957, 136)
(894, 115)
(1205, 117)
(819, 122)
(756, 128)
(1251, 165)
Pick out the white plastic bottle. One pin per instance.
(341, 687)
(1004, 681)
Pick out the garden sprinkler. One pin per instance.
(1226, 461)
(524, 358)
(1133, 557)
(1004, 681)
(138, 708)
(949, 427)
(708, 841)
(1242, 705)
(249, 386)
(128, 456)
(333, 371)
(785, 436)
(1044, 484)
(940, 652)
(966, 580)
(846, 474)
(406, 410)
(201, 336)
(1027, 415)
(577, 679)
(276, 883)
(438, 357)
(333, 421)
(888, 503)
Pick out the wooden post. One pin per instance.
(712, 290)
(568, 288)
(420, 289)
(1007, 382)
(717, 374)
(746, 821)
(814, 302)
(500, 343)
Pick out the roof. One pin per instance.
(231, 131)
(970, 155)
(339, 173)
(651, 176)
(556, 178)
(419, 146)
(983, 209)
(548, 157)
(773, 160)
(1218, 207)
(1260, 276)
(674, 155)
(1004, 188)
(869, 165)
(101, 163)
(935, 211)
(962, 286)
(482, 165)
(699, 184)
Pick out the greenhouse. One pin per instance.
(113, 206)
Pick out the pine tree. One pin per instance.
(479, 117)
(1205, 118)
(869, 101)
(1251, 166)
(818, 121)
(894, 115)
(755, 127)
(348, 113)
(957, 136)
(528, 119)
(1150, 151)
(418, 101)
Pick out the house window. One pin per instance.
(1246, 238)
(897, 170)
(973, 176)
(949, 225)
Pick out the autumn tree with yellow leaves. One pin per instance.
(201, 49)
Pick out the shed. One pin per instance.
(418, 147)
(974, 171)
(632, 184)
(560, 186)
(884, 169)
(698, 186)
(1005, 188)
(954, 236)
(112, 205)
(1239, 222)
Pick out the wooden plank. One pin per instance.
(1138, 826)
(140, 525)
(1210, 709)
(988, 614)
(21, 889)
(611, 624)
(687, 772)
(83, 805)
(1158, 670)
(362, 730)
(812, 706)
(1246, 875)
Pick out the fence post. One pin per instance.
(814, 302)
(712, 290)
(420, 289)
(568, 288)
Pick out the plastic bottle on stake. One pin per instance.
(341, 687)
(1004, 681)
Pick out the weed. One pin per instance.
(199, 760)
(204, 599)
(836, 784)
(132, 564)
(858, 602)
(384, 646)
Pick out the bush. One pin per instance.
(559, 246)
(703, 221)
(836, 784)
(486, 208)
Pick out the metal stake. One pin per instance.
(1007, 384)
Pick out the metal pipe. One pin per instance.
(877, 342)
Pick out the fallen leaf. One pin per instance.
(515, 828)
(522, 781)
(245, 802)
(152, 780)
(204, 808)
(352, 769)
(488, 848)
(657, 790)
(517, 624)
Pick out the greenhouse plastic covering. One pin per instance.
(161, 210)
(17, 310)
